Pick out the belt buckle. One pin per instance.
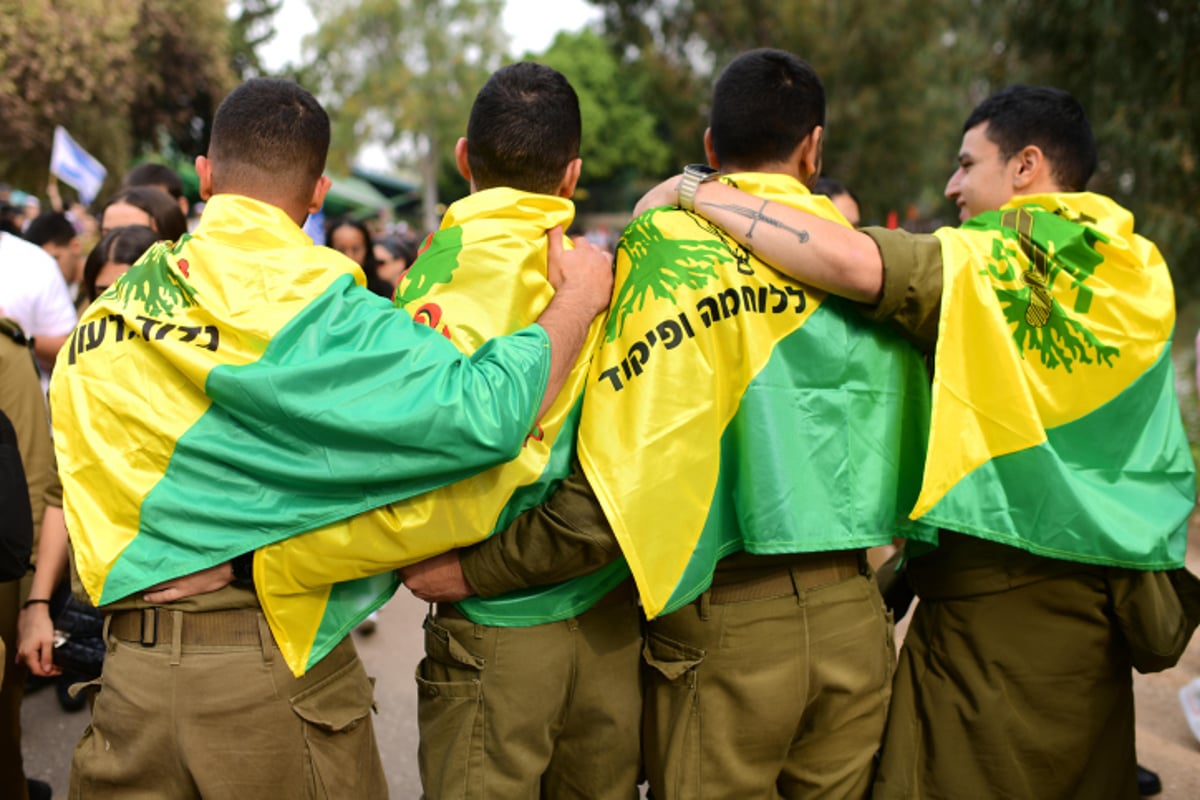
(150, 614)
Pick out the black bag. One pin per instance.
(79, 636)
(16, 516)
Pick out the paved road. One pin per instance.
(1165, 743)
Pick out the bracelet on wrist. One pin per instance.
(34, 601)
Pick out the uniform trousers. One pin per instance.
(769, 697)
(201, 704)
(1013, 681)
(545, 711)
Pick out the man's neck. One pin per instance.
(773, 168)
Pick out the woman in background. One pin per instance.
(352, 239)
(395, 254)
(144, 205)
(115, 253)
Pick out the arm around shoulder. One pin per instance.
(811, 249)
(565, 537)
(911, 296)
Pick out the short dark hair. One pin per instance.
(169, 220)
(1044, 116)
(524, 129)
(8, 218)
(51, 227)
(152, 174)
(832, 188)
(123, 245)
(269, 132)
(765, 103)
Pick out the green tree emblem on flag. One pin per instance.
(435, 265)
(659, 265)
(152, 283)
(1054, 249)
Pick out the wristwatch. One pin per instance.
(693, 176)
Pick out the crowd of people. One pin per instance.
(642, 531)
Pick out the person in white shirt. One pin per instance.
(33, 292)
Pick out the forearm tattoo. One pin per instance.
(757, 216)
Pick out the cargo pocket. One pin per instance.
(342, 751)
(450, 716)
(671, 717)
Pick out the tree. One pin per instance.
(619, 137)
(902, 76)
(1131, 64)
(252, 27)
(182, 71)
(120, 75)
(403, 74)
(66, 69)
(894, 77)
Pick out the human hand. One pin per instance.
(202, 582)
(583, 275)
(35, 640)
(437, 580)
(665, 194)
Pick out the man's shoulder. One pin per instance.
(30, 255)
(32, 289)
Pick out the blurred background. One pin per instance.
(139, 80)
(136, 80)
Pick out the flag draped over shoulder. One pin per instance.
(482, 275)
(730, 408)
(1056, 426)
(240, 387)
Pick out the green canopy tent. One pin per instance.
(353, 196)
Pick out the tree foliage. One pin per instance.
(251, 27)
(619, 136)
(901, 77)
(120, 75)
(182, 72)
(1132, 65)
(403, 74)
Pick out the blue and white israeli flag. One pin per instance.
(75, 166)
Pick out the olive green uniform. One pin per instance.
(550, 710)
(22, 401)
(813, 623)
(243, 727)
(774, 683)
(1013, 680)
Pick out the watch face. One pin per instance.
(701, 171)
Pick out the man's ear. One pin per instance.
(810, 153)
(1031, 167)
(460, 158)
(204, 173)
(710, 152)
(570, 177)
(318, 196)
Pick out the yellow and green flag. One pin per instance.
(730, 408)
(481, 275)
(1056, 426)
(241, 387)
